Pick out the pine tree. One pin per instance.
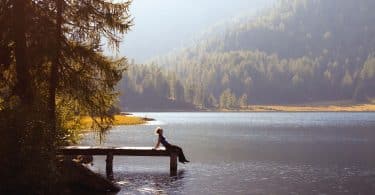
(52, 69)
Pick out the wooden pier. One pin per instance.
(110, 152)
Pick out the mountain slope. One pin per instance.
(300, 51)
(163, 25)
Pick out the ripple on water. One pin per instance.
(245, 178)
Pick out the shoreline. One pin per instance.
(312, 108)
(129, 118)
(284, 108)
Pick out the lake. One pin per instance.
(249, 153)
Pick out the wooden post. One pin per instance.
(109, 166)
(173, 164)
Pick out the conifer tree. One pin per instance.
(52, 68)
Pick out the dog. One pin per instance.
(84, 159)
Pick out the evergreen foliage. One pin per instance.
(53, 70)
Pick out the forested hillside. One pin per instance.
(149, 88)
(300, 51)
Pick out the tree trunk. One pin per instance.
(54, 70)
(23, 87)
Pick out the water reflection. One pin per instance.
(149, 183)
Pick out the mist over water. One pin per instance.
(250, 153)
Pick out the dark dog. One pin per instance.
(84, 159)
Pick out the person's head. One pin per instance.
(159, 131)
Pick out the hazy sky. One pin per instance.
(162, 25)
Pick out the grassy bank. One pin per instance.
(87, 122)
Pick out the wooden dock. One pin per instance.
(110, 152)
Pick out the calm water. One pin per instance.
(250, 153)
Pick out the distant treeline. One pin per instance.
(149, 87)
(300, 51)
